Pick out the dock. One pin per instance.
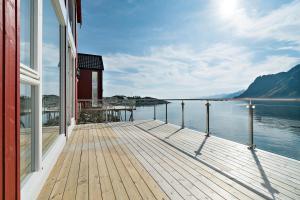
(111, 108)
(153, 160)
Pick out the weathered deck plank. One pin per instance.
(264, 176)
(150, 160)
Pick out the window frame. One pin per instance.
(33, 75)
(30, 75)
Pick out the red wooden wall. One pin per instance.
(85, 84)
(9, 100)
(100, 84)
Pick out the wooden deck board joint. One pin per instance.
(208, 165)
(153, 160)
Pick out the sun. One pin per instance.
(228, 8)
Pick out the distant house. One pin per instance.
(90, 77)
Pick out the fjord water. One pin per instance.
(276, 124)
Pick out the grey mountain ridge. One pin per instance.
(280, 85)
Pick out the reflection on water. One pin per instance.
(276, 125)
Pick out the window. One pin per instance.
(28, 79)
(94, 88)
(26, 126)
(70, 86)
(51, 76)
(25, 32)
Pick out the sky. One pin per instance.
(189, 48)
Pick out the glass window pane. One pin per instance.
(70, 86)
(95, 87)
(25, 32)
(73, 88)
(26, 130)
(51, 75)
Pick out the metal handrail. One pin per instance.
(230, 99)
(109, 104)
(250, 107)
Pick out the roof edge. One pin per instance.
(89, 54)
(79, 13)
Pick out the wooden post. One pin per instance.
(9, 99)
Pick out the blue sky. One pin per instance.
(194, 48)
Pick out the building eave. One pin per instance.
(79, 13)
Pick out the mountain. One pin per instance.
(280, 85)
(225, 96)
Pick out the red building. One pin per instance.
(38, 65)
(90, 77)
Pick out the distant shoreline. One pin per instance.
(142, 101)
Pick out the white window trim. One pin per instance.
(29, 75)
(32, 76)
(61, 11)
(71, 40)
(42, 167)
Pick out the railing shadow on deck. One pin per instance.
(156, 126)
(147, 121)
(267, 183)
(105, 125)
(198, 152)
(213, 167)
(168, 137)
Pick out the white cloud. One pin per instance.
(180, 71)
(50, 54)
(50, 68)
(281, 24)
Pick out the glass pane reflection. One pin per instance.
(51, 75)
(25, 32)
(25, 130)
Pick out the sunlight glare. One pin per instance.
(228, 8)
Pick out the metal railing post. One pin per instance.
(154, 112)
(114, 115)
(251, 107)
(132, 114)
(166, 113)
(182, 115)
(105, 114)
(125, 112)
(207, 118)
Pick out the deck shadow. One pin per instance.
(143, 122)
(210, 165)
(201, 146)
(168, 137)
(156, 127)
(267, 183)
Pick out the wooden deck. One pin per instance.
(153, 160)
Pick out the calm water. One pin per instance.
(276, 125)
